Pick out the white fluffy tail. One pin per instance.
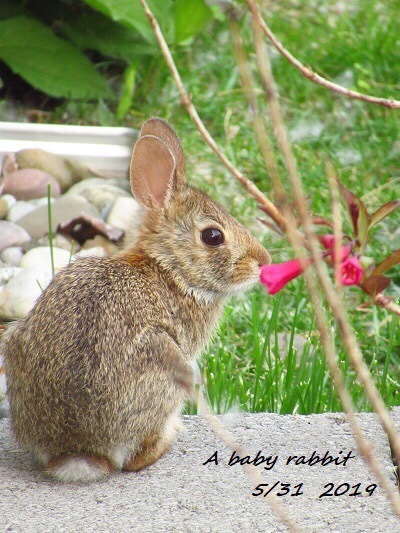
(79, 468)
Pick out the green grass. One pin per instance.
(243, 368)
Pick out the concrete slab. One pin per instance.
(182, 494)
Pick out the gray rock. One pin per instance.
(28, 183)
(18, 210)
(62, 209)
(12, 235)
(98, 192)
(12, 256)
(65, 171)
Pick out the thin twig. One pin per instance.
(253, 473)
(333, 299)
(337, 225)
(383, 301)
(264, 142)
(310, 74)
(270, 208)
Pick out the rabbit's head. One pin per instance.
(206, 251)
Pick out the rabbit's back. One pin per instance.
(80, 376)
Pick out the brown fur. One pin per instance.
(104, 358)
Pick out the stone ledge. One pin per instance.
(181, 494)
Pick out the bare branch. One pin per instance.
(296, 238)
(270, 208)
(383, 301)
(333, 298)
(252, 472)
(310, 74)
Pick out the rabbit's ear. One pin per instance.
(152, 172)
(159, 128)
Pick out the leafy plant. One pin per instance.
(55, 47)
(355, 267)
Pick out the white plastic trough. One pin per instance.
(106, 149)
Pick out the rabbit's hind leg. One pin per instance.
(154, 447)
(79, 468)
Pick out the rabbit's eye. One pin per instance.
(212, 237)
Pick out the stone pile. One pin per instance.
(89, 216)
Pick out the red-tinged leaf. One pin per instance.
(320, 221)
(358, 212)
(375, 284)
(384, 211)
(392, 260)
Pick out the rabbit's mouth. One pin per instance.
(243, 286)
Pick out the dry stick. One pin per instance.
(263, 139)
(249, 186)
(333, 299)
(253, 473)
(270, 208)
(337, 224)
(383, 301)
(311, 75)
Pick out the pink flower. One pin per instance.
(275, 277)
(351, 271)
(328, 242)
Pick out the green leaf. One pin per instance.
(47, 62)
(392, 260)
(131, 14)
(384, 211)
(358, 213)
(127, 92)
(190, 17)
(94, 31)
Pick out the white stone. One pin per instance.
(123, 212)
(12, 235)
(96, 251)
(23, 289)
(41, 258)
(6, 202)
(6, 273)
(12, 256)
(18, 210)
(98, 192)
(41, 201)
(20, 294)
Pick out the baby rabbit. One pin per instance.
(98, 370)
